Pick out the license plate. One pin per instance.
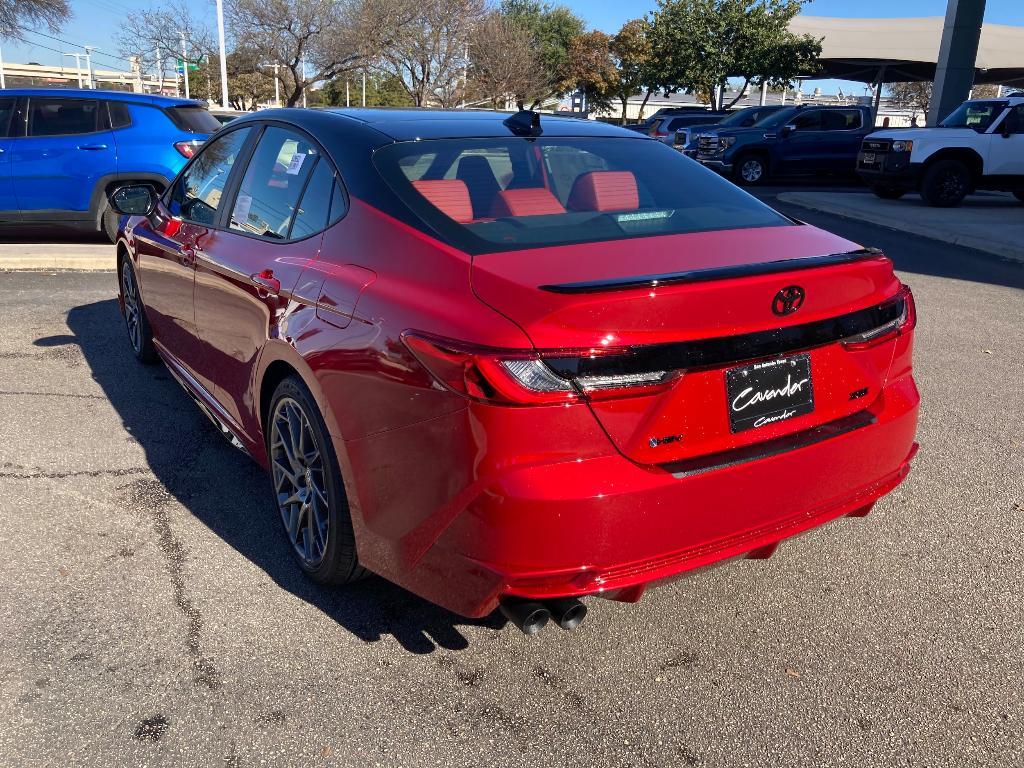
(769, 392)
(869, 157)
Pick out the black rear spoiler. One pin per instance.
(713, 273)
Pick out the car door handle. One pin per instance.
(92, 147)
(266, 284)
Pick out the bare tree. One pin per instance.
(16, 15)
(916, 96)
(153, 36)
(314, 40)
(504, 67)
(429, 53)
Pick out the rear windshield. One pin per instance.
(193, 119)
(486, 195)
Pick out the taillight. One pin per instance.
(188, 148)
(903, 322)
(522, 377)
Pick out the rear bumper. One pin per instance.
(607, 526)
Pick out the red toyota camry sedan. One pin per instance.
(512, 361)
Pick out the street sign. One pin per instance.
(192, 66)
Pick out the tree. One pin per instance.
(916, 96)
(429, 52)
(381, 91)
(313, 40)
(549, 29)
(589, 68)
(633, 56)
(699, 44)
(504, 66)
(15, 15)
(153, 36)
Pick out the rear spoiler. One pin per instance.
(713, 273)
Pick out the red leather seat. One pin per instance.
(449, 196)
(530, 201)
(604, 191)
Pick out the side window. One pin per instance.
(274, 181)
(196, 195)
(62, 117)
(1012, 123)
(6, 113)
(840, 120)
(315, 207)
(808, 121)
(119, 116)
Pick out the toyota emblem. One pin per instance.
(788, 300)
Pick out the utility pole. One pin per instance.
(303, 83)
(347, 100)
(277, 83)
(184, 62)
(223, 55)
(764, 92)
(78, 66)
(160, 72)
(364, 87)
(3, 82)
(88, 62)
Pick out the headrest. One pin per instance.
(531, 201)
(449, 196)
(605, 191)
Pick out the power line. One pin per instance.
(76, 45)
(58, 50)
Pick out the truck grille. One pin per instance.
(876, 145)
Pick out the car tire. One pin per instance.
(750, 170)
(308, 488)
(945, 183)
(887, 192)
(140, 336)
(1019, 194)
(109, 222)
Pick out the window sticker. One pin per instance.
(296, 164)
(242, 206)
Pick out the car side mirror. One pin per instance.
(134, 200)
(786, 130)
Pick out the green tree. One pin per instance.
(699, 44)
(550, 28)
(382, 90)
(633, 56)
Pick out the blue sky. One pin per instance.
(94, 23)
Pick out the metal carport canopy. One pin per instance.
(906, 49)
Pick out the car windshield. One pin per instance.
(974, 114)
(776, 119)
(487, 195)
(737, 117)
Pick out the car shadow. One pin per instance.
(230, 494)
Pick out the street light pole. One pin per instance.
(3, 82)
(223, 55)
(78, 66)
(277, 83)
(88, 62)
(184, 62)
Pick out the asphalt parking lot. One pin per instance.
(151, 613)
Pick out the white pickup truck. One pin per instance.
(979, 146)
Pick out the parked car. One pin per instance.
(513, 362)
(979, 146)
(667, 128)
(224, 116)
(686, 138)
(62, 151)
(647, 125)
(797, 141)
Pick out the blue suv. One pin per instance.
(61, 151)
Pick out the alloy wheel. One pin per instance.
(132, 313)
(951, 185)
(297, 464)
(752, 170)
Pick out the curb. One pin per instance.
(62, 263)
(1007, 251)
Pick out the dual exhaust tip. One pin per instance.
(531, 616)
